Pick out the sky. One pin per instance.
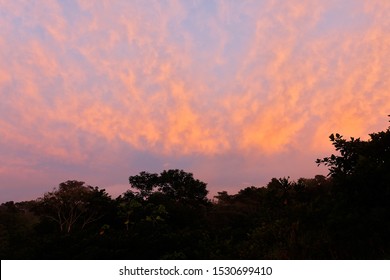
(236, 92)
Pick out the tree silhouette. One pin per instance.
(174, 183)
(361, 194)
(359, 158)
(168, 216)
(73, 203)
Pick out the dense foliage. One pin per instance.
(168, 216)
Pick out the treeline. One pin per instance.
(168, 215)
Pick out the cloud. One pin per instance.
(200, 80)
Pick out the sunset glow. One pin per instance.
(236, 92)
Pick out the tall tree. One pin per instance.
(359, 157)
(174, 183)
(73, 203)
(361, 194)
(180, 185)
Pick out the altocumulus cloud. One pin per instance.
(234, 91)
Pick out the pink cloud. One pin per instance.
(190, 79)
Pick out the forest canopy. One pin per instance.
(168, 215)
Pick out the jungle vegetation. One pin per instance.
(345, 215)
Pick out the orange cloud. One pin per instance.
(243, 78)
